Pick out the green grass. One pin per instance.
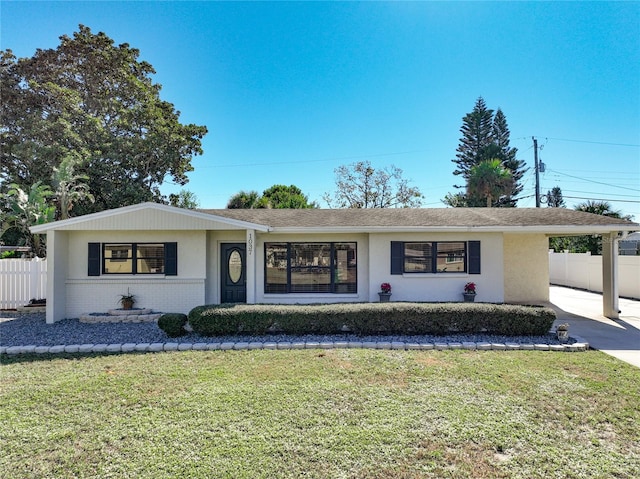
(325, 414)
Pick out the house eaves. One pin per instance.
(150, 216)
(560, 230)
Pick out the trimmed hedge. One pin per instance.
(173, 324)
(372, 319)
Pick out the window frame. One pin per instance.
(334, 287)
(471, 257)
(97, 258)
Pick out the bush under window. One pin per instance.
(372, 319)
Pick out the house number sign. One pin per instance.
(250, 244)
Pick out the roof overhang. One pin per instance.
(107, 220)
(561, 230)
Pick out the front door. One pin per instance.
(233, 273)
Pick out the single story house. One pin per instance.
(174, 259)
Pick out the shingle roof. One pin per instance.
(422, 218)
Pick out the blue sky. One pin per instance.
(290, 91)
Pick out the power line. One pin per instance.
(601, 199)
(598, 182)
(607, 194)
(606, 171)
(609, 143)
(633, 145)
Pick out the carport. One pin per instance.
(610, 270)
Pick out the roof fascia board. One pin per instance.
(142, 206)
(561, 230)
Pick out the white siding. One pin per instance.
(191, 249)
(89, 294)
(148, 219)
(442, 286)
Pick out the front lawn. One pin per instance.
(320, 413)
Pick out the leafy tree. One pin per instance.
(457, 200)
(26, 209)
(68, 189)
(554, 198)
(485, 136)
(277, 197)
(281, 196)
(359, 185)
(489, 180)
(97, 99)
(184, 199)
(244, 200)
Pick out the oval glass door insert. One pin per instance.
(235, 266)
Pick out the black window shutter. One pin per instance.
(94, 259)
(397, 257)
(171, 259)
(474, 257)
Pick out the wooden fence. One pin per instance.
(22, 280)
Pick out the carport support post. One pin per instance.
(610, 306)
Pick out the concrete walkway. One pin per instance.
(583, 311)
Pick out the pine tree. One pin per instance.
(554, 198)
(507, 155)
(485, 137)
(477, 132)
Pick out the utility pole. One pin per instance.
(537, 166)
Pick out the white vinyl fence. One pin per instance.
(22, 280)
(581, 270)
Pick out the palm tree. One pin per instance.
(489, 179)
(599, 208)
(593, 243)
(68, 189)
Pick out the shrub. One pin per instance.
(372, 319)
(173, 324)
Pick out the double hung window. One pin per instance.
(310, 268)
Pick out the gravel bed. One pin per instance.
(20, 329)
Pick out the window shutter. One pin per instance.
(171, 259)
(474, 257)
(94, 259)
(397, 257)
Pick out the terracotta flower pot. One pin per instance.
(127, 304)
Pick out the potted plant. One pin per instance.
(562, 332)
(469, 293)
(127, 300)
(385, 292)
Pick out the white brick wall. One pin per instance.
(165, 295)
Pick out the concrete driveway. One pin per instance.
(583, 311)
